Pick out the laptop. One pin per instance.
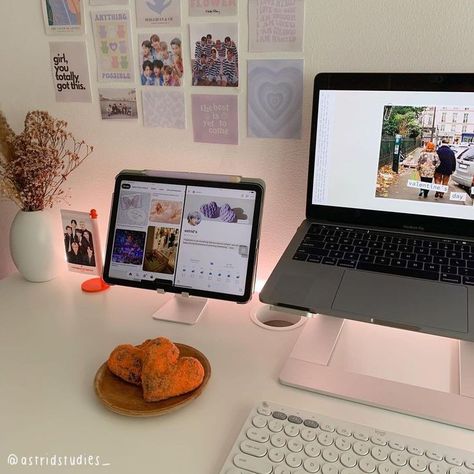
(388, 236)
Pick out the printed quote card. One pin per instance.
(70, 71)
(113, 45)
(276, 25)
(212, 7)
(215, 119)
(164, 109)
(158, 13)
(275, 98)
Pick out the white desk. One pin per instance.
(53, 337)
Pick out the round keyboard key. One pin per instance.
(310, 423)
(263, 410)
(418, 464)
(434, 455)
(343, 431)
(379, 453)
(367, 465)
(295, 419)
(311, 465)
(292, 430)
(396, 445)
(327, 427)
(350, 471)
(330, 469)
(343, 444)
(276, 455)
(308, 434)
(415, 450)
(293, 460)
(295, 445)
(330, 455)
(259, 421)
(458, 470)
(469, 464)
(436, 468)
(312, 450)
(279, 415)
(326, 439)
(386, 468)
(379, 440)
(254, 449)
(399, 458)
(453, 460)
(361, 436)
(348, 460)
(282, 470)
(256, 434)
(278, 440)
(275, 425)
(360, 448)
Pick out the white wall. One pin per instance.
(340, 35)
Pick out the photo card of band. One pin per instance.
(181, 234)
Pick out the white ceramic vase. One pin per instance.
(34, 245)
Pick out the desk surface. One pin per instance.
(53, 338)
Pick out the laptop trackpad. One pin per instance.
(409, 301)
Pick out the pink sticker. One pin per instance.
(215, 119)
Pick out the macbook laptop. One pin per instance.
(388, 236)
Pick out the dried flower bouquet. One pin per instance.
(35, 163)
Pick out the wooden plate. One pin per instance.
(127, 399)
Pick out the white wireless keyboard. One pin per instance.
(282, 440)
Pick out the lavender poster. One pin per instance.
(215, 119)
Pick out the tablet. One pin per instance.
(185, 233)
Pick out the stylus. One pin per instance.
(194, 176)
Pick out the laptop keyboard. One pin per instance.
(445, 260)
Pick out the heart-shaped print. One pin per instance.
(179, 378)
(113, 46)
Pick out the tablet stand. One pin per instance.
(182, 309)
(419, 374)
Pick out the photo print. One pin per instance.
(158, 13)
(161, 59)
(163, 108)
(212, 7)
(63, 17)
(426, 154)
(275, 98)
(161, 248)
(113, 45)
(79, 241)
(128, 247)
(118, 104)
(214, 54)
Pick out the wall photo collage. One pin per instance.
(173, 56)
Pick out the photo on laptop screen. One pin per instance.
(184, 235)
(422, 154)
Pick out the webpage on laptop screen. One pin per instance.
(195, 237)
(399, 151)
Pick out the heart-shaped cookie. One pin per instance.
(126, 360)
(178, 378)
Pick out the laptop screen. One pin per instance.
(409, 152)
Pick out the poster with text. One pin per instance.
(214, 54)
(79, 240)
(160, 59)
(275, 98)
(215, 119)
(158, 13)
(63, 17)
(163, 108)
(70, 71)
(113, 45)
(212, 7)
(276, 25)
(118, 103)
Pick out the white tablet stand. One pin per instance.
(181, 308)
(419, 374)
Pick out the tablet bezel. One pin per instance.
(244, 184)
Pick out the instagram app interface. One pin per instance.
(189, 236)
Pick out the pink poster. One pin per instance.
(215, 119)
